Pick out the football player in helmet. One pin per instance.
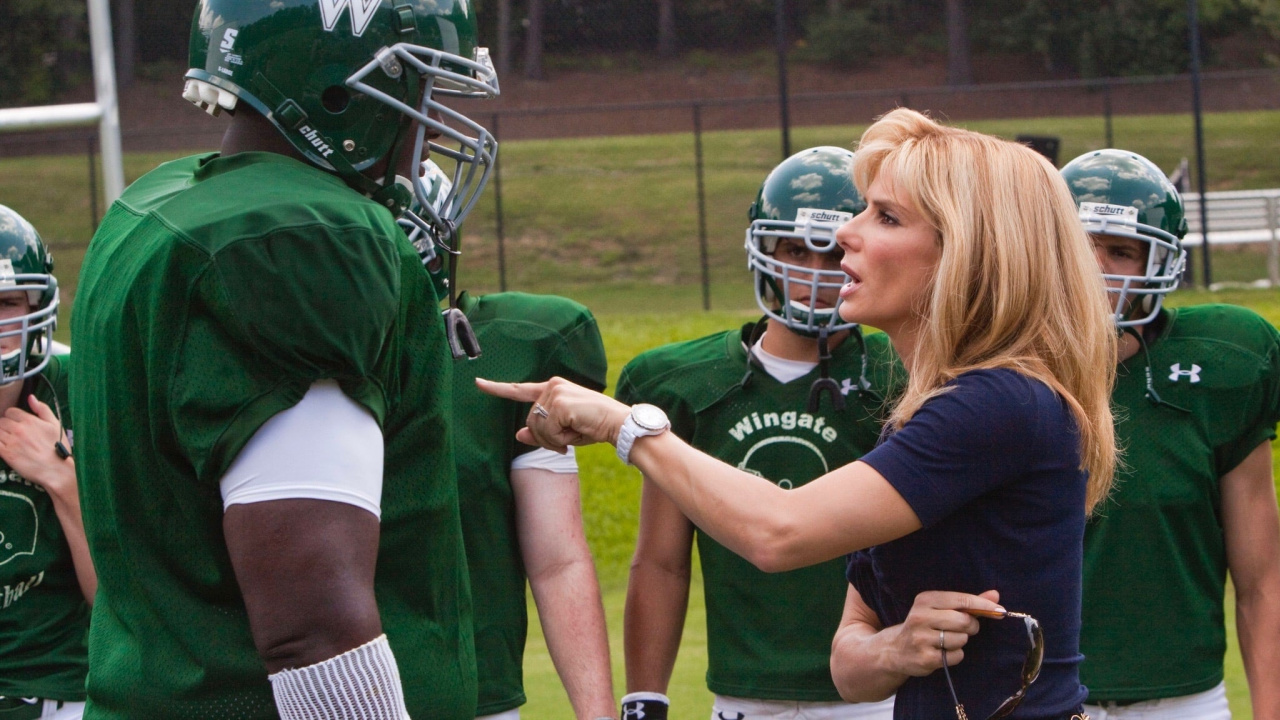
(521, 514)
(271, 373)
(364, 107)
(45, 569)
(1198, 397)
(786, 398)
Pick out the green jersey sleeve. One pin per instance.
(270, 316)
(673, 377)
(580, 355)
(1246, 374)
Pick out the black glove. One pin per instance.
(645, 706)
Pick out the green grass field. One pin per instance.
(612, 223)
(605, 219)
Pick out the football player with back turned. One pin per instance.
(1197, 396)
(787, 398)
(267, 477)
(521, 513)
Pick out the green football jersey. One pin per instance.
(768, 634)
(1155, 562)
(44, 620)
(216, 291)
(526, 338)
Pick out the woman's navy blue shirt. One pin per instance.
(992, 469)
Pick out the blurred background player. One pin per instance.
(1197, 397)
(267, 367)
(521, 514)
(45, 571)
(789, 398)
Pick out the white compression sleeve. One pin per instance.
(544, 459)
(360, 684)
(327, 447)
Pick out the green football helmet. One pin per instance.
(342, 80)
(805, 198)
(26, 265)
(1123, 194)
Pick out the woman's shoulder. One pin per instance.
(1002, 384)
(1004, 398)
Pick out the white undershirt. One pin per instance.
(327, 447)
(781, 369)
(544, 459)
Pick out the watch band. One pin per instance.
(644, 420)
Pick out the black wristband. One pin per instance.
(645, 706)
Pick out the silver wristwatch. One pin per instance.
(643, 421)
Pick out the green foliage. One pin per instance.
(42, 49)
(1100, 38)
(846, 38)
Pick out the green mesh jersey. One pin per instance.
(1155, 563)
(44, 620)
(768, 634)
(215, 293)
(525, 338)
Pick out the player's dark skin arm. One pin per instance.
(305, 569)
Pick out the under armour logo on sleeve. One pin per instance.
(1176, 371)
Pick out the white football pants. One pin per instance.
(1208, 705)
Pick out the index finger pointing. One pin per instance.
(520, 392)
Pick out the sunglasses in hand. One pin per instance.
(1030, 667)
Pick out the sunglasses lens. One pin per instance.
(1035, 658)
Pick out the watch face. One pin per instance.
(649, 417)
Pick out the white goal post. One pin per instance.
(105, 112)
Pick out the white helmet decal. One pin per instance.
(361, 13)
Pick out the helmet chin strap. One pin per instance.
(824, 383)
(462, 339)
(1152, 395)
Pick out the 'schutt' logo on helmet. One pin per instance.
(361, 13)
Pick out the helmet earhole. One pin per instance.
(335, 99)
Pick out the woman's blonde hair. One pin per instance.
(1018, 284)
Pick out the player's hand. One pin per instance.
(563, 413)
(645, 706)
(27, 444)
(935, 617)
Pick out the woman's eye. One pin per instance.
(887, 219)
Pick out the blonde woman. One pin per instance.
(971, 258)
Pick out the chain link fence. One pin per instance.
(611, 201)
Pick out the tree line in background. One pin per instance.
(44, 43)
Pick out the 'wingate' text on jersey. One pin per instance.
(789, 420)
